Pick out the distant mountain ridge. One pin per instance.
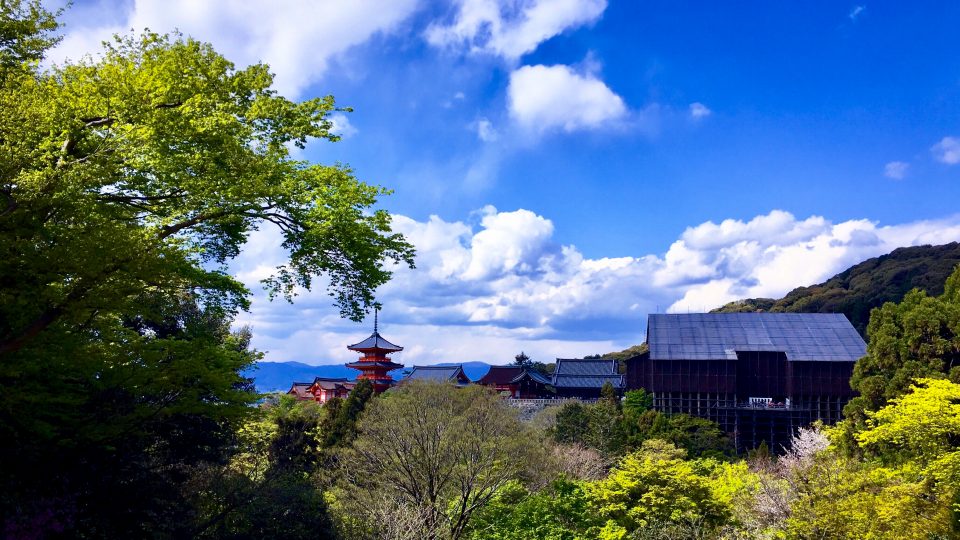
(278, 376)
(864, 286)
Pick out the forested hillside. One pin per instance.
(859, 289)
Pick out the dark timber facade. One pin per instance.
(759, 375)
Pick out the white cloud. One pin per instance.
(947, 150)
(548, 97)
(499, 283)
(511, 29)
(342, 126)
(485, 130)
(856, 12)
(297, 39)
(896, 170)
(699, 110)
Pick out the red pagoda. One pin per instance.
(375, 365)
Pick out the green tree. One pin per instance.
(26, 31)
(437, 453)
(127, 182)
(561, 512)
(148, 168)
(636, 402)
(267, 479)
(656, 487)
(919, 337)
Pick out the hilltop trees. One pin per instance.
(919, 337)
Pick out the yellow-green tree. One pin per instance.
(656, 488)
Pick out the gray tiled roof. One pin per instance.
(594, 381)
(574, 366)
(575, 373)
(535, 375)
(718, 336)
(375, 341)
(434, 373)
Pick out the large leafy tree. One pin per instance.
(436, 453)
(148, 168)
(127, 182)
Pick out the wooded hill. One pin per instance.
(860, 288)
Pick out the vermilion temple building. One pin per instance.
(375, 364)
(322, 389)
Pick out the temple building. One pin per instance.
(375, 365)
(322, 389)
(759, 375)
(451, 374)
(584, 378)
(518, 382)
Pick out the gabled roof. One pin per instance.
(536, 376)
(301, 389)
(331, 383)
(501, 375)
(578, 373)
(511, 375)
(375, 342)
(437, 373)
(719, 336)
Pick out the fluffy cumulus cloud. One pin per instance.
(499, 282)
(896, 170)
(510, 29)
(549, 97)
(947, 150)
(297, 39)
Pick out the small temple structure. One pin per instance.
(375, 365)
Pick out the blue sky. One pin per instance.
(566, 167)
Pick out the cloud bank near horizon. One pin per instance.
(494, 284)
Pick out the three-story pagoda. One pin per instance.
(375, 365)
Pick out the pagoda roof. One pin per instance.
(375, 342)
(361, 364)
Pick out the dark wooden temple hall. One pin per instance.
(759, 375)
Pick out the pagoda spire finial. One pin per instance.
(376, 313)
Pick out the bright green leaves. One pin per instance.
(919, 337)
(138, 169)
(655, 486)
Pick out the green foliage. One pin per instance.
(26, 31)
(340, 427)
(127, 182)
(428, 455)
(561, 512)
(636, 402)
(268, 478)
(657, 487)
(919, 337)
(524, 361)
(603, 426)
(131, 418)
(865, 286)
